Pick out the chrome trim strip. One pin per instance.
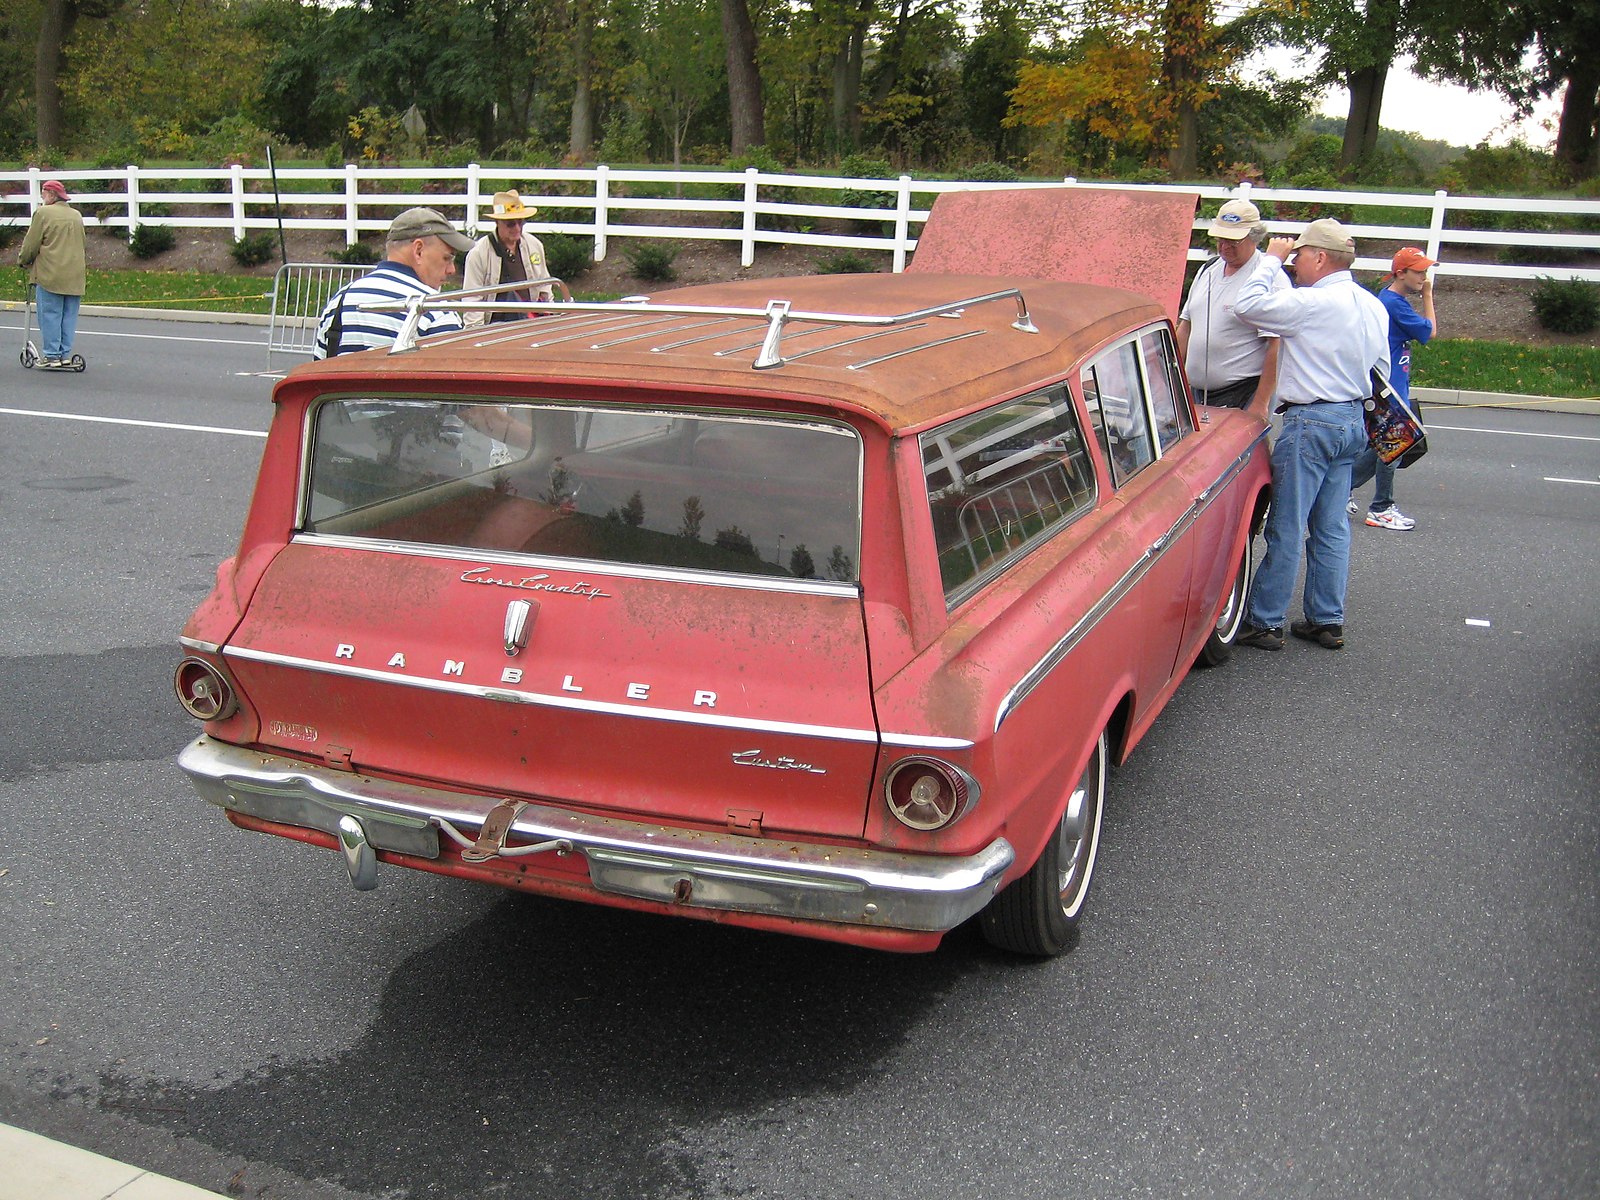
(945, 341)
(586, 566)
(189, 643)
(861, 337)
(1052, 659)
(511, 695)
(743, 346)
(650, 333)
(683, 867)
(709, 337)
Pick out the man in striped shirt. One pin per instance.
(420, 254)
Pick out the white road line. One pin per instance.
(84, 331)
(28, 412)
(1558, 479)
(1561, 437)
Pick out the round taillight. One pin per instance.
(203, 690)
(927, 794)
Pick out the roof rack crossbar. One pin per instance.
(777, 313)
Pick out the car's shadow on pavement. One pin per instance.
(556, 1049)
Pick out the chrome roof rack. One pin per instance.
(776, 313)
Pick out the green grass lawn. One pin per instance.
(189, 291)
(1568, 371)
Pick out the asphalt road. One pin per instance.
(1344, 939)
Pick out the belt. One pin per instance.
(1285, 405)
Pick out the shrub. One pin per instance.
(991, 172)
(859, 166)
(147, 241)
(652, 261)
(847, 262)
(235, 138)
(117, 157)
(253, 249)
(356, 254)
(454, 154)
(566, 256)
(765, 161)
(624, 140)
(526, 152)
(1566, 305)
(1488, 170)
(10, 235)
(1314, 152)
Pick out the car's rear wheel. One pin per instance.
(1039, 913)
(1219, 645)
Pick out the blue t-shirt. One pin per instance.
(1406, 325)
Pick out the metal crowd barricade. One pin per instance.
(300, 291)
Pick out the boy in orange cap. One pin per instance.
(1408, 278)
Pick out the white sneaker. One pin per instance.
(1390, 518)
(1353, 507)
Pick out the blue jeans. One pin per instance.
(58, 321)
(1310, 485)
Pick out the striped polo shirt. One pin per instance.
(376, 330)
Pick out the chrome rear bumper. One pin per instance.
(671, 865)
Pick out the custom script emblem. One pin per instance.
(753, 758)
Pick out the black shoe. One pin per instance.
(1329, 637)
(1261, 639)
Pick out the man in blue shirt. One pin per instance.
(1409, 277)
(419, 255)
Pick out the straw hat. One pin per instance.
(508, 206)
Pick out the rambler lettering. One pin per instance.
(633, 690)
(535, 583)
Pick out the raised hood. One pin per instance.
(1131, 238)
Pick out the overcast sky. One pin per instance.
(1434, 110)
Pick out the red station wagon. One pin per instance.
(816, 605)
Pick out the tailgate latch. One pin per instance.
(744, 820)
(519, 619)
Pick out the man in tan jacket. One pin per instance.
(54, 251)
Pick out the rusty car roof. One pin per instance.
(903, 375)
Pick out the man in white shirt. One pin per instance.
(1333, 334)
(1229, 364)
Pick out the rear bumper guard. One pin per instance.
(663, 863)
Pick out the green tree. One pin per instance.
(1490, 50)
(679, 68)
(57, 23)
(1359, 41)
(746, 102)
(161, 73)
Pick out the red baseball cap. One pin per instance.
(55, 185)
(1409, 258)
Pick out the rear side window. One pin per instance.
(1114, 394)
(1002, 481)
(1166, 388)
(644, 487)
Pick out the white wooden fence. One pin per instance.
(603, 204)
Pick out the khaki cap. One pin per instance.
(1326, 234)
(424, 222)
